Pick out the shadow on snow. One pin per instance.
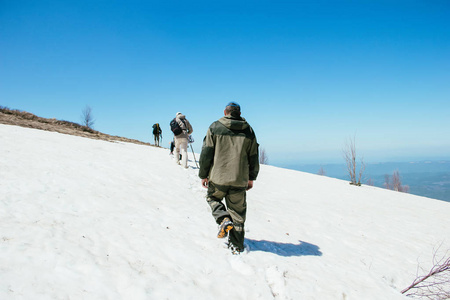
(284, 249)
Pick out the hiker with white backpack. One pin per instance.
(181, 129)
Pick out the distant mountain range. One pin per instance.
(425, 178)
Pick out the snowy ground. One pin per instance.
(89, 219)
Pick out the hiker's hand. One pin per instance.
(205, 183)
(250, 184)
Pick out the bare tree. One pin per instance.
(435, 284)
(362, 168)
(263, 159)
(405, 189)
(370, 182)
(395, 183)
(349, 153)
(322, 172)
(387, 182)
(87, 117)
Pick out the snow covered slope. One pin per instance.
(89, 219)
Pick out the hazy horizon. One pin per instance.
(428, 178)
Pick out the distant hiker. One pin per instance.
(229, 162)
(172, 146)
(181, 129)
(157, 133)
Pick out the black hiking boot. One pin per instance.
(234, 250)
(224, 227)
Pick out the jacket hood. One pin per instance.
(234, 123)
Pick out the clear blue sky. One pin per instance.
(307, 74)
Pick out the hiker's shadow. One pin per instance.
(284, 249)
(196, 164)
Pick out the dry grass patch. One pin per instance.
(26, 119)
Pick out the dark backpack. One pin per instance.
(156, 129)
(175, 127)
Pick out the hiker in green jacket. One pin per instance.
(229, 164)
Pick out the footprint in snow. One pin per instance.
(276, 281)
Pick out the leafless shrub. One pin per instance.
(87, 117)
(322, 172)
(349, 153)
(436, 283)
(395, 183)
(387, 182)
(405, 188)
(263, 159)
(370, 182)
(362, 168)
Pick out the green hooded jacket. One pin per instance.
(229, 154)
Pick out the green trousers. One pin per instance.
(235, 208)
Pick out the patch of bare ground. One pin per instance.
(26, 119)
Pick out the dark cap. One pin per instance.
(235, 105)
(233, 109)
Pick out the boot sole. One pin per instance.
(223, 233)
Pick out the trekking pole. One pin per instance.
(194, 157)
